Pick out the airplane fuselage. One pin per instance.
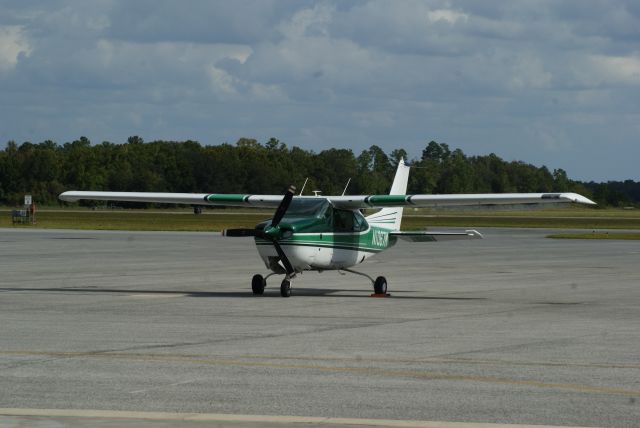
(317, 236)
(327, 250)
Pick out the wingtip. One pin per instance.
(574, 197)
(67, 197)
(474, 234)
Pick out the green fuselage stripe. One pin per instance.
(372, 240)
(316, 245)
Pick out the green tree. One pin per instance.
(560, 180)
(457, 174)
(46, 169)
(438, 153)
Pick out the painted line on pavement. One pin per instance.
(274, 419)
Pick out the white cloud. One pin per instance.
(618, 69)
(13, 44)
(308, 22)
(75, 19)
(447, 15)
(221, 82)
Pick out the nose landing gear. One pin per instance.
(259, 283)
(285, 288)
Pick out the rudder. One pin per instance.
(390, 218)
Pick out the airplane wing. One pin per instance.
(220, 199)
(344, 202)
(426, 236)
(434, 201)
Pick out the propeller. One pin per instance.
(271, 232)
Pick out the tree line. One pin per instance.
(46, 169)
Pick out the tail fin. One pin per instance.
(390, 218)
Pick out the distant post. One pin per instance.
(30, 209)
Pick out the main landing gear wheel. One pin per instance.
(257, 284)
(285, 288)
(380, 285)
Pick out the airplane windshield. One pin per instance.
(307, 207)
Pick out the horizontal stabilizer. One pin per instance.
(426, 236)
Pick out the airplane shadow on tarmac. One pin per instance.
(273, 292)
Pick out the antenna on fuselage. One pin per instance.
(345, 187)
(305, 183)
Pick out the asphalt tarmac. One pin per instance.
(515, 328)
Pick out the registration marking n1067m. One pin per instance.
(380, 238)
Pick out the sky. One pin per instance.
(553, 83)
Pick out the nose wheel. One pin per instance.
(285, 288)
(258, 284)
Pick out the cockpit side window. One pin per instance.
(328, 216)
(348, 221)
(359, 222)
(342, 220)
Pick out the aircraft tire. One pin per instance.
(380, 285)
(257, 284)
(285, 288)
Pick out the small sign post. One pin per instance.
(30, 209)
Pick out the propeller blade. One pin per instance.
(240, 232)
(277, 217)
(283, 258)
(284, 205)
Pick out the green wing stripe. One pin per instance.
(227, 198)
(386, 200)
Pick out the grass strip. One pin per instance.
(218, 220)
(138, 220)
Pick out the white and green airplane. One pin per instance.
(317, 233)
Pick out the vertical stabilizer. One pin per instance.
(390, 218)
